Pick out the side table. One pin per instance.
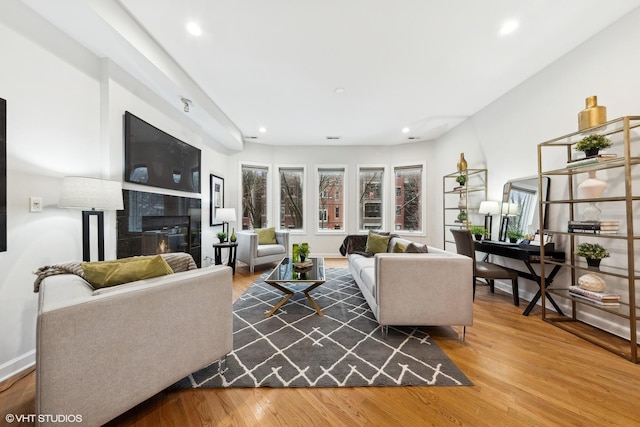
(217, 249)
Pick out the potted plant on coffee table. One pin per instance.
(478, 231)
(592, 144)
(593, 252)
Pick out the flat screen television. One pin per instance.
(155, 158)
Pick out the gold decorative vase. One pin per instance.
(593, 115)
(462, 163)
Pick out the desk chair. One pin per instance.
(484, 270)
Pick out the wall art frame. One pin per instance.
(3, 175)
(216, 199)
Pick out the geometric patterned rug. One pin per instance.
(344, 348)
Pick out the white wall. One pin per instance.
(503, 136)
(64, 117)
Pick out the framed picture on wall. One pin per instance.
(217, 197)
(3, 175)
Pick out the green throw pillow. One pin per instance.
(266, 236)
(399, 248)
(376, 243)
(102, 274)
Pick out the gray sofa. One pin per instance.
(100, 353)
(416, 289)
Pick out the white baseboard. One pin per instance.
(17, 365)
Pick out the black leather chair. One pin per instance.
(484, 270)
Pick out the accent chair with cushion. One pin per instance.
(262, 246)
(484, 270)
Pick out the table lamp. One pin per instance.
(489, 208)
(225, 216)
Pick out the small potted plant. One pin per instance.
(478, 231)
(592, 144)
(303, 251)
(461, 179)
(593, 252)
(222, 236)
(514, 235)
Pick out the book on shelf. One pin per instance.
(584, 231)
(598, 296)
(593, 226)
(612, 304)
(591, 160)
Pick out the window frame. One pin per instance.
(423, 196)
(268, 187)
(277, 192)
(344, 193)
(384, 219)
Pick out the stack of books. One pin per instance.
(590, 160)
(599, 298)
(593, 227)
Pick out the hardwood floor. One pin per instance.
(525, 373)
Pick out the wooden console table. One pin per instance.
(528, 257)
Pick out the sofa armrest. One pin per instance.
(282, 237)
(247, 246)
(103, 354)
(431, 288)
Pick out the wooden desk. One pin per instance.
(528, 257)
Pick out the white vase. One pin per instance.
(591, 188)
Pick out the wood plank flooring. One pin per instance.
(525, 373)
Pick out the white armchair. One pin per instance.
(252, 254)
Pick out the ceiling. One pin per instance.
(425, 65)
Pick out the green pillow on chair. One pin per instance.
(376, 243)
(266, 236)
(102, 274)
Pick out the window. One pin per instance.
(291, 197)
(370, 204)
(254, 196)
(408, 200)
(330, 198)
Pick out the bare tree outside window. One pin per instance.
(254, 197)
(291, 198)
(330, 185)
(370, 184)
(409, 198)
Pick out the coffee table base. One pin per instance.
(289, 293)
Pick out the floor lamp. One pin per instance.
(489, 208)
(93, 196)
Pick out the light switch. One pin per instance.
(35, 204)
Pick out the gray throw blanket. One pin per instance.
(178, 261)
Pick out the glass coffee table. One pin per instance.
(285, 272)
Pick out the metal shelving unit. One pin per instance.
(469, 195)
(621, 271)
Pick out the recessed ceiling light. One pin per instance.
(262, 129)
(194, 28)
(405, 130)
(509, 27)
(339, 90)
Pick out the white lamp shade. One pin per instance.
(226, 214)
(91, 193)
(510, 209)
(489, 207)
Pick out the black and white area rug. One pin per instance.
(344, 348)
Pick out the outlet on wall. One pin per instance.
(35, 204)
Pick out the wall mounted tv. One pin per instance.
(155, 158)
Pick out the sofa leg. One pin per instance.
(222, 365)
(385, 331)
(462, 335)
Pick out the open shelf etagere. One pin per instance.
(624, 132)
(472, 193)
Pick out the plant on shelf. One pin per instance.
(478, 231)
(222, 236)
(591, 144)
(461, 179)
(593, 252)
(514, 235)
